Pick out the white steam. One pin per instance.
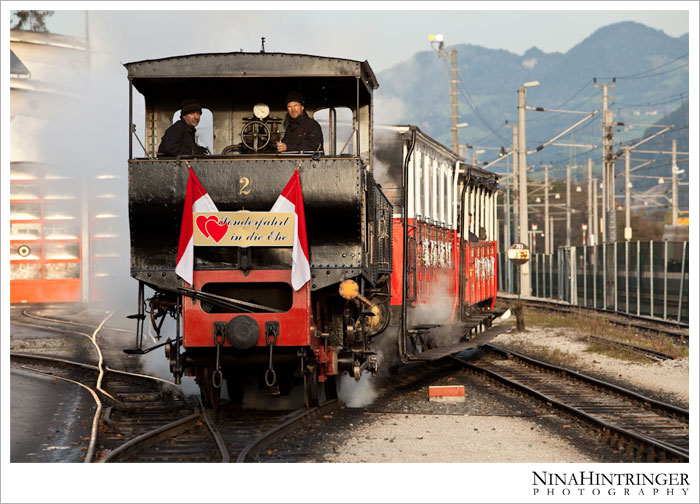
(440, 306)
(357, 394)
(388, 109)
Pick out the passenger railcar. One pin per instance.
(370, 274)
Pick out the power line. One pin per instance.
(472, 105)
(661, 73)
(661, 101)
(557, 114)
(482, 140)
(635, 75)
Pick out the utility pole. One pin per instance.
(591, 202)
(547, 229)
(609, 211)
(514, 180)
(506, 212)
(609, 208)
(628, 227)
(596, 237)
(568, 205)
(452, 62)
(525, 287)
(674, 168)
(674, 185)
(455, 106)
(551, 236)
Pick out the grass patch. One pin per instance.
(591, 323)
(543, 353)
(620, 353)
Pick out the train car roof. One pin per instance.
(476, 172)
(243, 64)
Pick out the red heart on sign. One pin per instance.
(216, 230)
(202, 223)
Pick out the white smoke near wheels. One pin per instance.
(357, 394)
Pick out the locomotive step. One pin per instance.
(422, 328)
(477, 341)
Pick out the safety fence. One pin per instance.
(640, 278)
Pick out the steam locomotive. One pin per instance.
(386, 214)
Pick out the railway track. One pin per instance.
(643, 428)
(141, 418)
(638, 349)
(679, 332)
(227, 434)
(146, 400)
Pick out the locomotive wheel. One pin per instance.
(331, 387)
(210, 394)
(315, 392)
(380, 308)
(312, 388)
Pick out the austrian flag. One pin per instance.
(291, 201)
(196, 200)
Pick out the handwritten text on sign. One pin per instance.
(244, 229)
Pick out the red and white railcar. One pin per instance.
(441, 277)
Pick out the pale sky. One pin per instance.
(390, 34)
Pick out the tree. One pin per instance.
(30, 20)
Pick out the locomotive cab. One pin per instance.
(243, 96)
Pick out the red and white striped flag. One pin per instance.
(196, 200)
(292, 201)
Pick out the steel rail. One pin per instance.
(215, 434)
(662, 406)
(169, 430)
(293, 420)
(622, 315)
(27, 314)
(93, 367)
(96, 417)
(623, 319)
(678, 452)
(635, 348)
(93, 340)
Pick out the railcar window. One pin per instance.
(204, 135)
(338, 131)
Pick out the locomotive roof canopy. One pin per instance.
(473, 175)
(248, 65)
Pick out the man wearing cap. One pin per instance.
(302, 133)
(178, 139)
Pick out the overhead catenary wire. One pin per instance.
(582, 128)
(465, 93)
(641, 74)
(683, 97)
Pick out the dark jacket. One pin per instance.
(303, 134)
(178, 140)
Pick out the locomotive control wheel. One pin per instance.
(210, 394)
(255, 135)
